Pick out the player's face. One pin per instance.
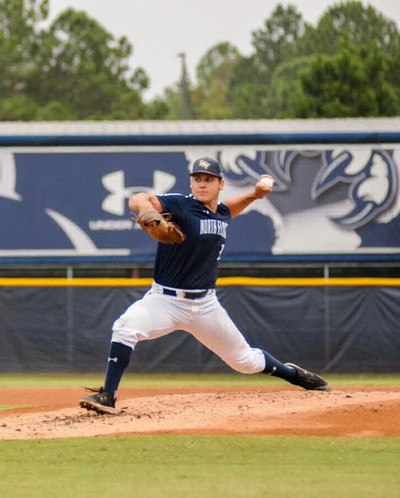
(206, 188)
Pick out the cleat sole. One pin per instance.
(101, 409)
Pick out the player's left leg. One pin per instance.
(215, 329)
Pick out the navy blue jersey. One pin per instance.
(192, 264)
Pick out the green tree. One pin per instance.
(346, 85)
(216, 62)
(393, 73)
(245, 70)
(18, 108)
(347, 65)
(157, 109)
(250, 101)
(54, 111)
(285, 87)
(361, 25)
(211, 100)
(73, 70)
(250, 89)
(172, 101)
(274, 43)
(86, 69)
(19, 42)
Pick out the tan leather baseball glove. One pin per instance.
(159, 227)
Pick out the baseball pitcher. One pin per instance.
(191, 230)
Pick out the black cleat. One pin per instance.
(102, 402)
(308, 380)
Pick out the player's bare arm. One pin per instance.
(262, 188)
(144, 202)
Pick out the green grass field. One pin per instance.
(198, 466)
(171, 380)
(9, 407)
(201, 466)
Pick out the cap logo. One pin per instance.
(204, 164)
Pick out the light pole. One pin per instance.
(184, 88)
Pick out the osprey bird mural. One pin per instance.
(321, 198)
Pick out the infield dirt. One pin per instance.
(350, 412)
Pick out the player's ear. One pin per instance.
(221, 184)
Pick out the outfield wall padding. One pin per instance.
(354, 329)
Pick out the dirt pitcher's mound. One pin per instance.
(341, 412)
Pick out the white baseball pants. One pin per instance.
(157, 314)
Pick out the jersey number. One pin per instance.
(220, 252)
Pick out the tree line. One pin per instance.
(347, 65)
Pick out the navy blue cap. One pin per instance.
(207, 165)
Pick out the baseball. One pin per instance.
(267, 181)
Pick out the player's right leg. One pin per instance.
(146, 319)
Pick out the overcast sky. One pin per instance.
(160, 29)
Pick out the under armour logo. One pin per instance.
(272, 371)
(115, 359)
(115, 184)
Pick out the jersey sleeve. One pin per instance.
(172, 203)
(225, 210)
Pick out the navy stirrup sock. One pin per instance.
(277, 369)
(118, 359)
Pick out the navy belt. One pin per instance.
(186, 294)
